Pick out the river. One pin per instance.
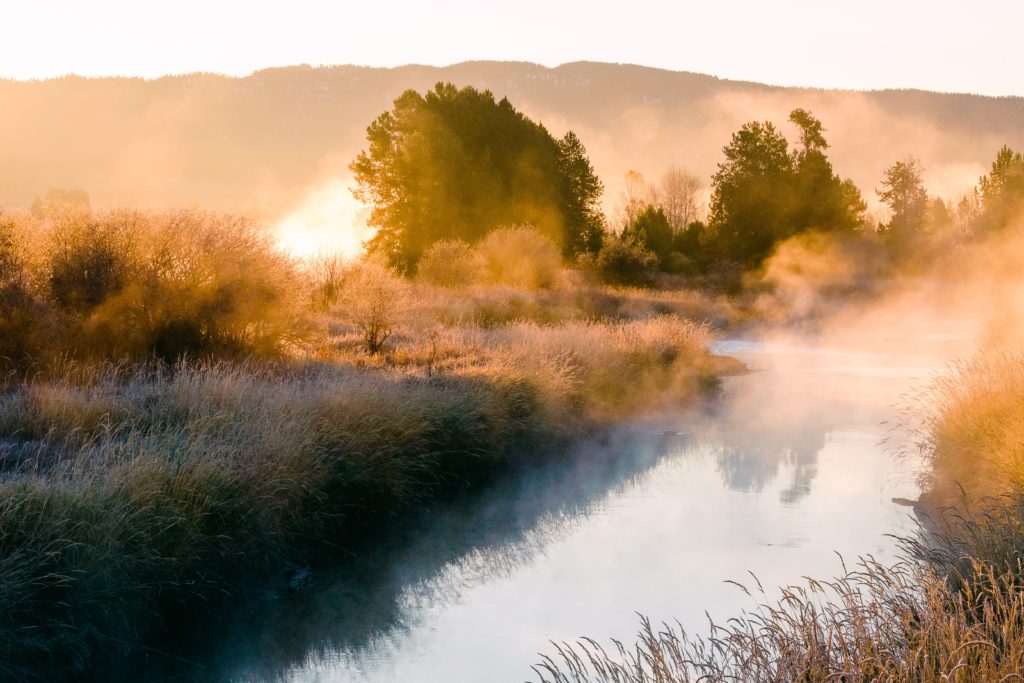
(796, 466)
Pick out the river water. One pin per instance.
(798, 463)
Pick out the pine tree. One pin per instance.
(585, 222)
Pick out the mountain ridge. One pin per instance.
(261, 142)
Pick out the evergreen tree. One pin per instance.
(903, 192)
(750, 204)
(823, 201)
(1002, 190)
(584, 220)
(652, 231)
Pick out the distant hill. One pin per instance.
(261, 142)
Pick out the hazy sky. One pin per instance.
(937, 45)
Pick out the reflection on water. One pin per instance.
(653, 519)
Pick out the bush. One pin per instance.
(24, 331)
(23, 316)
(621, 262)
(135, 284)
(521, 257)
(452, 264)
(220, 279)
(372, 299)
(88, 260)
(201, 284)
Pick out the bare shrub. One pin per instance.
(326, 273)
(131, 283)
(88, 259)
(212, 284)
(372, 299)
(23, 316)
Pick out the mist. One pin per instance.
(433, 461)
(265, 144)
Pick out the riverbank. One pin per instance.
(949, 611)
(137, 496)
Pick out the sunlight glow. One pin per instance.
(328, 221)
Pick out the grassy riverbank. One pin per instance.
(132, 491)
(266, 413)
(952, 612)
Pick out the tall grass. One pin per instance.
(954, 611)
(147, 486)
(876, 623)
(185, 412)
(132, 493)
(974, 432)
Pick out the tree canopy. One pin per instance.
(1002, 190)
(455, 164)
(584, 220)
(652, 231)
(763, 193)
(903, 192)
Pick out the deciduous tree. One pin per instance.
(679, 198)
(456, 163)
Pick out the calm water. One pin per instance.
(795, 465)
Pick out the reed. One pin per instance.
(952, 611)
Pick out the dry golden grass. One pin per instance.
(974, 432)
(306, 403)
(876, 623)
(955, 612)
(125, 486)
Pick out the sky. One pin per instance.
(936, 45)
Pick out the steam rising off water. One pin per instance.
(790, 469)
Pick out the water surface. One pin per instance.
(796, 465)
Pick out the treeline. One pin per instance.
(760, 199)
(456, 163)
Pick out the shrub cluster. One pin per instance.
(519, 257)
(133, 284)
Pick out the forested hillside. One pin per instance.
(262, 142)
